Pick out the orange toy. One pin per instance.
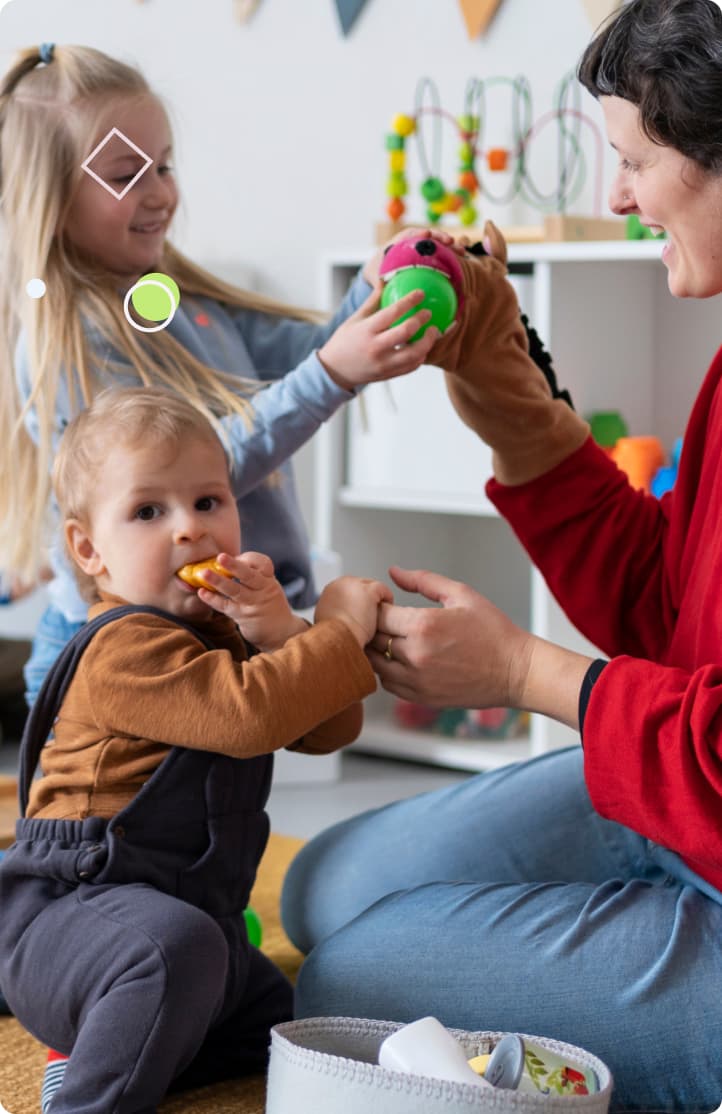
(639, 457)
(193, 574)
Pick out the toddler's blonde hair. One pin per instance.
(130, 417)
(49, 120)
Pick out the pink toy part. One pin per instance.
(423, 251)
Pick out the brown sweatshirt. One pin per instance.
(144, 685)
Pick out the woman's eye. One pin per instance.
(627, 165)
(147, 513)
(206, 503)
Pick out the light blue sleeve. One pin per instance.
(278, 344)
(296, 403)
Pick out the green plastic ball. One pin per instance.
(253, 926)
(439, 296)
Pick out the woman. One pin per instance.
(578, 896)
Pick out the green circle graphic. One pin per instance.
(155, 302)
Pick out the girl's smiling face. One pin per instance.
(669, 192)
(126, 236)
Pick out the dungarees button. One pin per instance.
(119, 832)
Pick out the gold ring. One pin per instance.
(387, 652)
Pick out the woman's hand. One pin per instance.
(254, 599)
(469, 654)
(367, 347)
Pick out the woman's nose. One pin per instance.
(621, 197)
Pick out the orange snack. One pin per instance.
(193, 574)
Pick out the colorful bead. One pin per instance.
(395, 209)
(394, 142)
(397, 160)
(466, 156)
(397, 185)
(403, 125)
(432, 189)
(497, 158)
(467, 214)
(469, 181)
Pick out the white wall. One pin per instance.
(280, 122)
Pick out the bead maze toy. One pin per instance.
(513, 163)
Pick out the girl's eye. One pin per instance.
(147, 513)
(167, 169)
(206, 503)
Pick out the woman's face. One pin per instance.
(668, 192)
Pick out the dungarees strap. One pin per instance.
(43, 713)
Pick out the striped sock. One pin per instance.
(52, 1079)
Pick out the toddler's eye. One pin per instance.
(147, 513)
(165, 169)
(206, 503)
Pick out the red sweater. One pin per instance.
(642, 579)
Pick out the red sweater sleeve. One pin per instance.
(600, 547)
(642, 580)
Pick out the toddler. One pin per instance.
(122, 937)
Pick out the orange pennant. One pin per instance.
(478, 14)
(599, 10)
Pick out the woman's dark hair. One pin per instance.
(665, 56)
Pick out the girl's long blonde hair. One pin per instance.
(49, 115)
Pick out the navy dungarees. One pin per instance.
(124, 940)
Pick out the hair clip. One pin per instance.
(46, 52)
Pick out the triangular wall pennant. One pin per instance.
(478, 14)
(348, 13)
(244, 9)
(599, 10)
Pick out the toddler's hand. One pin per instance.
(355, 601)
(366, 349)
(254, 599)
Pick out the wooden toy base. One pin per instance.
(555, 229)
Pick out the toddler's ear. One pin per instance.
(81, 548)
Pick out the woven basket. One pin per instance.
(329, 1065)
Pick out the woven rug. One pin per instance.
(22, 1059)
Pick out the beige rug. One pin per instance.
(22, 1059)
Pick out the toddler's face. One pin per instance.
(155, 510)
(126, 236)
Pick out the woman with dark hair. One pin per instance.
(579, 895)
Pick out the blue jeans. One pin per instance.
(506, 902)
(51, 634)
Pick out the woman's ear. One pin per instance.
(81, 548)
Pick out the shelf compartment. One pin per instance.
(382, 737)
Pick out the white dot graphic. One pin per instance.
(36, 288)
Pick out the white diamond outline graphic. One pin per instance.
(136, 148)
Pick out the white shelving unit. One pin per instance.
(399, 480)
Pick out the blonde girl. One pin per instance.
(90, 241)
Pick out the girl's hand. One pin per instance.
(365, 348)
(457, 243)
(355, 601)
(254, 599)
